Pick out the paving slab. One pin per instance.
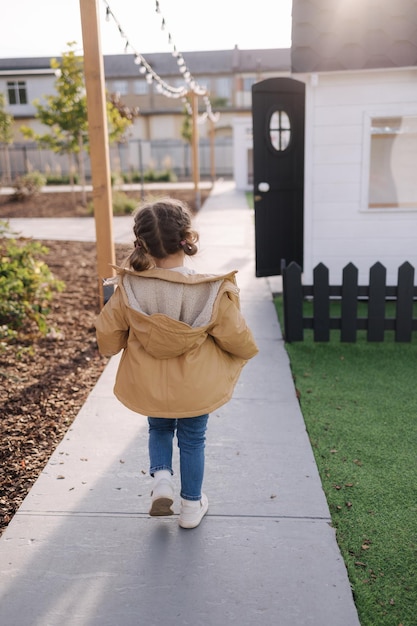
(82, 549)
(228, 571)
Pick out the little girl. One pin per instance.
(184, 344)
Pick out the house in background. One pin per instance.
(155, 137)
(358, 61)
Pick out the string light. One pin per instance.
(196, 88)
(161, 85)
(144, 67)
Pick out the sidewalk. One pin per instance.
(82, 550)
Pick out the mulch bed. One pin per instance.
(69, 204)
(44, 381)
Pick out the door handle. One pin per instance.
(257, 198)
(263, 187)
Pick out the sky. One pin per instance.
(38, 28)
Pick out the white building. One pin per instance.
(358, 61)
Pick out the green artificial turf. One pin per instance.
(359, 403)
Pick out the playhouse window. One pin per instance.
(279, 130)
(392, 179)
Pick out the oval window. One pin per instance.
(279, 130)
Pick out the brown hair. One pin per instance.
(161, 228)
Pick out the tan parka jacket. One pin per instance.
(171, 367)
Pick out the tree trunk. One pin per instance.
(71, 177)
(7, 176)
(81, 169)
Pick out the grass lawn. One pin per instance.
(359, 403)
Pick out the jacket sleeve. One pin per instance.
(230, 331)
(112, 328)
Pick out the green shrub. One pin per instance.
(28, 185)
(132, 177)
(165, 176)
(151, 176)
(26, 285)
(55, 179)
(122, 204)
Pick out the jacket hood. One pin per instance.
(172, 276)
(169, 313)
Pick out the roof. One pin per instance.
(24, 64)
(164, 64)
(203, 62)
(329, 35)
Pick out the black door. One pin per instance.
(278, 173)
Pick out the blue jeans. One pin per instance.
(191, 436)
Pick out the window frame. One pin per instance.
(120, 86)
(368, 117)
(143, 87)
(248, 81)
(18, 88)
(279, 130)
(223, 84)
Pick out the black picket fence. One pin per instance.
(349, 295)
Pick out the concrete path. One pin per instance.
(82, 550)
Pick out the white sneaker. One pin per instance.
(192, 512)
(162, 498)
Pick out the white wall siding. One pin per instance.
(337, 133)
(348, 153)
(339, 227)
(242, 151)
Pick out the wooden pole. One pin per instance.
(99, 147)
(212, 153)
(195, 155)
